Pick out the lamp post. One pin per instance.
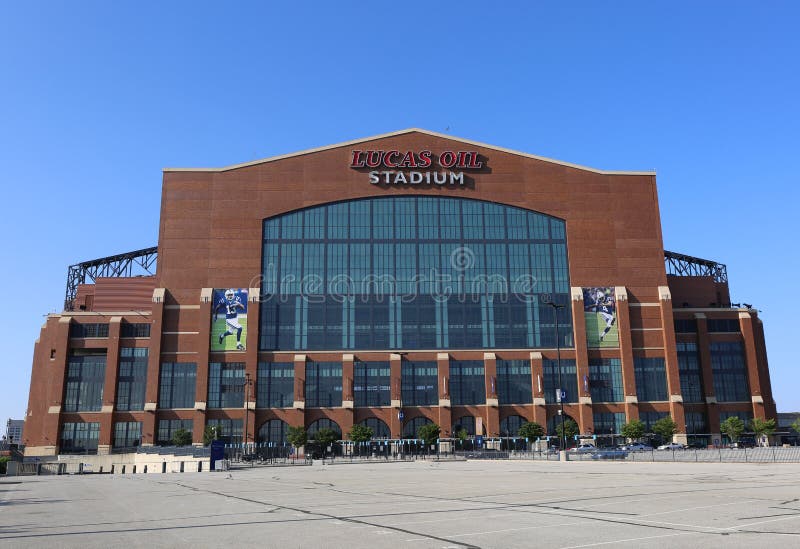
(548, 301)
(247, 384)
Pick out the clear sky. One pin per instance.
(97, 97)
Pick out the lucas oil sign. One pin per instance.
(396, 167)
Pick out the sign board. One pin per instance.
(561, 395)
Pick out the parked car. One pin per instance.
(610, 453)
(637, 447)
(672, 446)
(584, 449)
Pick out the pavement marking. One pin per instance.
(629, 539)
(761, 522)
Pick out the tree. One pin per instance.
(796, 426)
(182, 437)
(210, 433)
(429, 433)
(762, 427)
(297, 436)
(531, 430)
(665, 428)
(326, 436)
(733, 427)
(569, 432)
(633, 430)
(361, 433)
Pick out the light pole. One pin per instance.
(547, 301)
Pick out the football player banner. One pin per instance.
(600, 312)
(229, 319)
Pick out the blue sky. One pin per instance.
(97, 97)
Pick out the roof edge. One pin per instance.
(402, 132)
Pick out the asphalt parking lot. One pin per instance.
(501, 504)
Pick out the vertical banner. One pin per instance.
(600, 312)
(229, 319)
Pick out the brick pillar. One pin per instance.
(751, 359)
(626, 353)
(395, 386)
(300, 384)
(348, 395)
(445, 412)
(153, 369)
(585, 417)
(110, 387)
(707, 375)
(492, 399)
(538, 409)
(671, 364)
(250, 361)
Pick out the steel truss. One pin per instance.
(140, 262)
(686, 265)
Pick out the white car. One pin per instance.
(672, 446)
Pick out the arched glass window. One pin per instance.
(466, 423)
(555, 421)
(412, 272)
(323, 423)
(509, 426)
(411, 426)
(273, 430)
(379, 428)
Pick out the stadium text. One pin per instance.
(416, 178)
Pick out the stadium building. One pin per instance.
(392, 281)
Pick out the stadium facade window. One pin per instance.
(465, 423)
(514, 382)
(225, 384)
(608, 422)
(411, 427)
(419, 383)
(696, 423)
(323, 384)
(80, 437)
(605, 380)
(127, 434)
(689, 371)
(135, 329)
(723, 325)
(651, 379)
(273, 431)
(467, 382)
(77, 330)
(569, 380)
(509, 425)
(417, 272)
(379, 428)
(730, 371)
(275, 386)
(178, 385)
(86, 375)
(746, 417)
(132, 378)
(323, 423)
(649, 418)
(371, 384)
(168, 427)
(229, 430)
(685, 325)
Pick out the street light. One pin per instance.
(548, 301)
